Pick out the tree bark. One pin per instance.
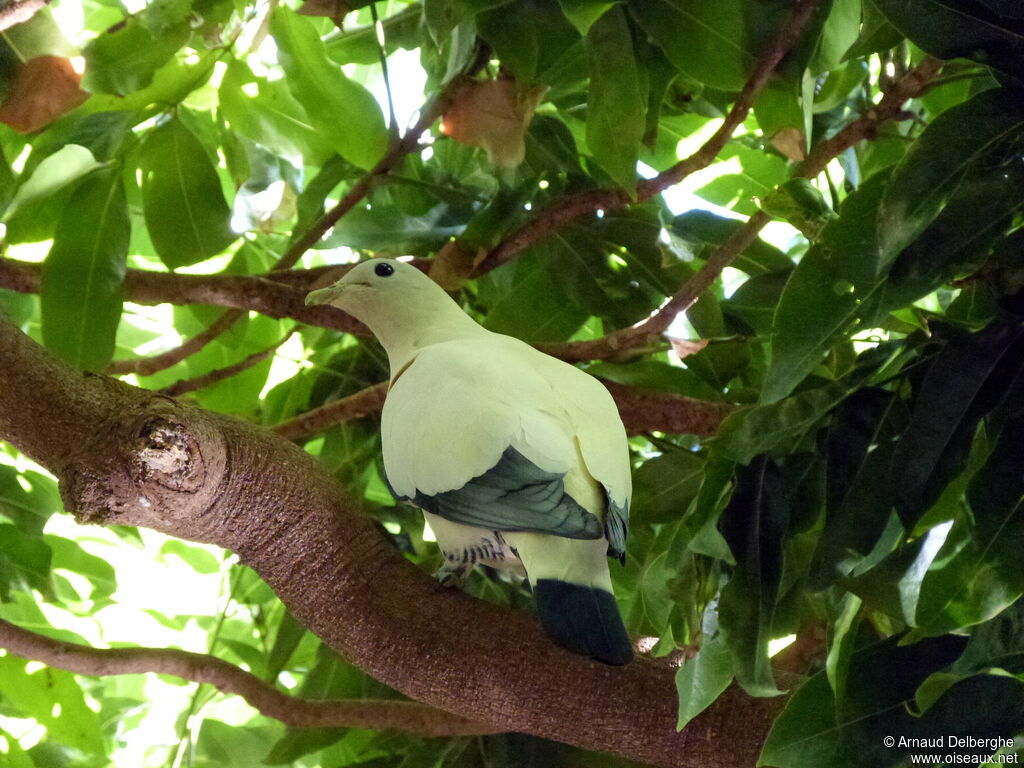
(127, 456)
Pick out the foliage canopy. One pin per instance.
(850, 465)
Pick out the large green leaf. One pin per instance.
(616, 104)
(523, 305)
(965, 381)
(710, 42)
(123, 60)
(816, 729)
(186, 215)
(754, 524)
(664, 486)
(57, 171)
(54, 699)
(341, 110)
(824, 296)
(860, 481)
(271, 117)
(991, 123)
(703, 678)
(973, 29)
(81, 290)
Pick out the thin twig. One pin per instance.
(568, 208)
(408, 716)
(198, 382)
(409, 143)
(147, 366)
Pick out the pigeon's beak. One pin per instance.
(324, 295)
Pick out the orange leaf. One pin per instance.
(492, 115)
(45, 88)
(684, 348)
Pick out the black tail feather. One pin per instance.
(584, 620)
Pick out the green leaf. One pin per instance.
(956, 141)
(703, 678)
(966, 380)
(951, 29)
(840, 32)
(529, 37)
(824, 297)
(664, 486)
(815, 729)
(583, 13)
(57, 171)
(616, 103)
(186, 214)
(55, 700)
(69, 555)
(841, 647)
(756, 175)
(385, 227)
(272, 117)
(83, 276)
(754, 524)
(198, 559)
(876, 33)
(526, 307)
(124, 60)
(800, 203)
(25, 564)
(290, 632)
(709, 42)
(860, 485)
(28, 508)
(341, 110)
(700, 230)
(746, 433)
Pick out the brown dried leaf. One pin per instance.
(453, 265)
(790, 142)
(45, 88)
(492, 115)
(685, 348)
(334, 10)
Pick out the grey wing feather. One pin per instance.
(513, 495)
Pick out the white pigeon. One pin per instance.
(518, 460)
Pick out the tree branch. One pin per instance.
(913, 84)
(198, 382)
(147, 366)
(127, 456)
(20, 11)
(641, 411)
(409, 716)
(568, 208)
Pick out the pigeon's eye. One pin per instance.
(383, 270)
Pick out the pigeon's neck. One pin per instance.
(404, 334)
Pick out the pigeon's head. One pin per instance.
(399, 303)
(375, 284)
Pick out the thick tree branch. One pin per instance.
(19, 11)
(126, 456)
(568, 208)
(409, 716)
